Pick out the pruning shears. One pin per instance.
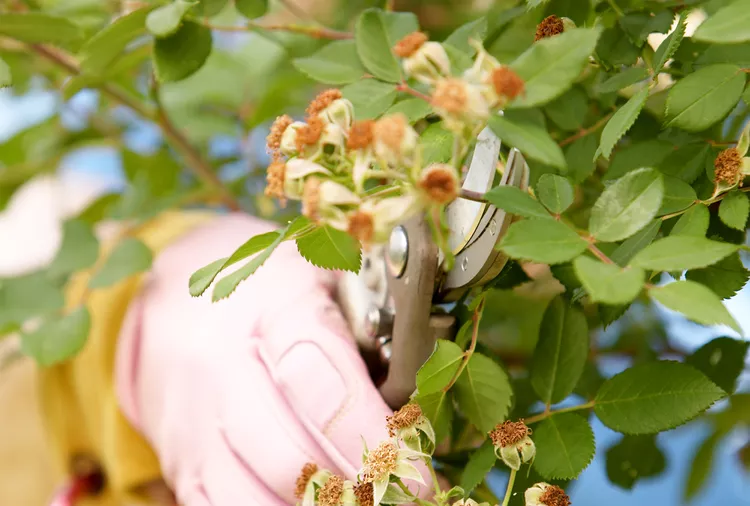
(395, 304)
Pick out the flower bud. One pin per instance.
(544, 494)
(428, 63)
(288, 139)
(296, 170)
(394, 140)
(407, 424)
(459, 102)
(728, 167)
(439, 183)
(340, 112)
(512, 443)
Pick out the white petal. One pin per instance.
(299, 167)
(528, 449)
(533, 494)
(309, 497)
(361, 166)
(408, 471)
(337, 194)
(378, 490)
(406, 453)
(510, 456)
(394, 210)
(425, 426)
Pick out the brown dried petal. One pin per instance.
(410, 44)
(727, 166)
(322, 101)
(403, 418)
(554, 496)
(551, 25)
(273, 141)
(360, 134)
(390, 130)
(330, 493)
(309, 134)
(450, 95)
(304, 478)
(509, 433)
(361, 226)
(364, 494)
(440, 185)
(507, 83)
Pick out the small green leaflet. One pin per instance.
(564, 446)
(551, 65)
(560, 353)
(530, 139)
(638, 155)
(335, 63)
(669, 45)
(678, 195)
(36, 27)
(721, 360)
(729, 25)
(370, 97)
(516, 201)
(734, 209)
(686, 162)
(700, 467)
(183, 53)
(440, 368)
(653, 397)
(59, 338)
(129, 257)
(103, 48)
(609, 283)
(165, 20)
(330, 249)
(483, 392)
(251, 9)
(27, 296)
(438, 408)
(569, 110)
(725, 278)
(374, 47)
(627, 77)
(696, 302)
(555, 192)
(681, 252)
(635, 243)
(479, 465)
(79, 249)
(704, 97)
(413, 108)
(693, 222)
(620, 123)
(542, 240)
(201, 279)
(627, 205)
(634, 458)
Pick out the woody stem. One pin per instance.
(509, 490)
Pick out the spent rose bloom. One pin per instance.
(408, 424)
(297, 170)
(544, 494)
(512, 443)
(395, 141)
(308, 482)
(373, 221)
(460, 103)
(389, 460)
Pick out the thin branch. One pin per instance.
(298, 11)
(411, 91)
(599, 254)
(196, 163)
(310, 31)
(475, 318)
(547, 414)
(472, 195)
(390, 5)
(585, 131)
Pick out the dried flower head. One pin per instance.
(309, 135)
(550, 26)
(451, 95)
(361, 226)
(404, 418)
(273, 140)
(507, 83)
(381, 462)
(275, 178)
(389, 460)
(304, 478)
(311, 198)
(508, 433)
(361, 134)
(364, 494)
(440, 183)
(409, 44)
(322, 101)
(555, 496)
(330, 494)
(394, 139)
(728, 166)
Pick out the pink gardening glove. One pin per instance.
(236, 396)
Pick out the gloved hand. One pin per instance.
(236, 396)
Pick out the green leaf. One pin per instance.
(704, 97)
(201, 279)
(374, 47)
(678, 195)
(555, 192)
(568, 111)
(129, 257)
(680, 252)
(335, 63)
(624, 79)
(544, 241)
(483, 392)
(229, 283)
(251, 9)
(438, 408)
(729, 25)
(516, 201)
(696, 302)
(36, 27)
(564, 446)
(102, 49)
(165, 20)
(370, 97)
(685, 163)
(654, 397)
(437, 144)
(459, 38)
(6, 79)
(632, 245)
(28, 296)
(531, 139)
(478, 467)
(638, 155)
(609, 283)
(560, 353)
(331, 249)
(58, 339)
(580, 158)
(693, 222)
(627, 205)
(721, 360)
(734, 209)
(210, 8)
(399, 24)
(551, 65)
(621, 122)
(79, 249)
(440, 368)
(183, 53)
(669, 45)
(700, 466)
(725, 278)
(413, 108)
(634, 458)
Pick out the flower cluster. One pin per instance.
(364, 176)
